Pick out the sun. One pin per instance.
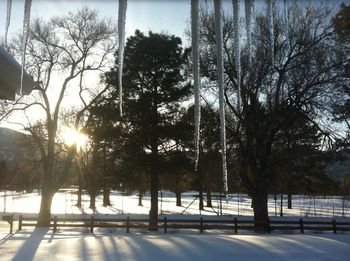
(72, 136)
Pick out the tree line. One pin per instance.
(278, 141)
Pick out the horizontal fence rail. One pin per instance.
(200, 224)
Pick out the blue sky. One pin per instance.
(171, 16)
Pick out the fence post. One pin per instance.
(268, 226)
(11, 223)
(20, 219)
(92, 224)
(54, 224)
(201, 225)
(236, 227)
(301, 226)
(165, 225)
(334, 223)
(127, 224)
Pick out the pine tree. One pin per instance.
(154, 87)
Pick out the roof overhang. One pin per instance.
(10, 77)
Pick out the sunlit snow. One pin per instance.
(116, 244)
(237, 205)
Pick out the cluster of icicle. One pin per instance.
(8, 20)
(121, 46)
(196, 75)
(26, 22)
(195, 56)
(220, 62)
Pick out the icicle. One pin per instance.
(121, 43)
(195, 62)
(248, 25)
(270, 25)
(8, 19)
(26, 22)
(286, 22)
(220, 68)
(286, 31)
(235, 4)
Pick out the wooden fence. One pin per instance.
(9, 219)
(200, 224)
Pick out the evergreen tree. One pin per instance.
(341, 24)
(154, 86)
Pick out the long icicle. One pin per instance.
(286, 31)
(26, 23)
(237, 51)
(121, 43)
(8, 20)
(220, 68)
(270, 26)
(286, 22)
(248, 24)
(196, 76)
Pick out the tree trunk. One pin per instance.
(140, 198)
(281, 206)
(201, 205)
(289, 200)
(106, 199)
(45, 207)
(259, 197)
(209, 204)
(92, 201)
(153, 213)
(178, 199)
(80, 192)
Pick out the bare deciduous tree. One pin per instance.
(274, 96)
(60, 54)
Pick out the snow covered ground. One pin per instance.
(115, 244)
(237, 205)
(42, 244)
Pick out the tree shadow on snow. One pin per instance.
(5, 238)
(114, 209)
(30, 246)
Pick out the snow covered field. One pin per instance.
(42, 244)
(115, 244)
(237, 205)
